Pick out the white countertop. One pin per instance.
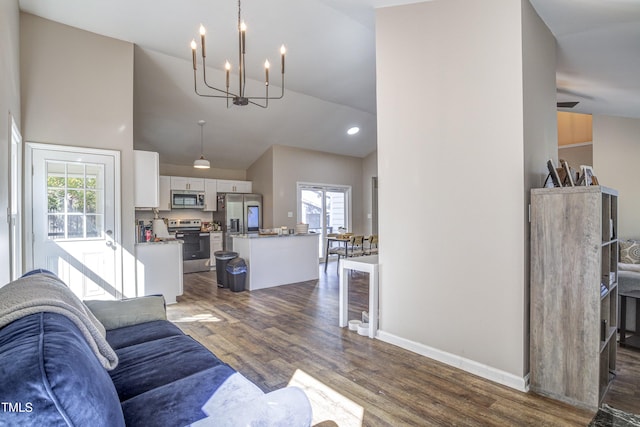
(161, 242)
(262, 236)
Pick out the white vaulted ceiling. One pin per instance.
(330, 70)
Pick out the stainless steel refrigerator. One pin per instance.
(243, 215)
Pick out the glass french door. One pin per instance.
(325, 208)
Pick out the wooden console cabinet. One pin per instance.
(574, 293)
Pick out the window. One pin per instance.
(75, 200)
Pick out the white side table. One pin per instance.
(367, 264)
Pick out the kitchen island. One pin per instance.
(278, 260)
(159, 269)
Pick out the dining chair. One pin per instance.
(372, 248)
(357, 246)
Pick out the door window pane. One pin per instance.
(55, 202)
(311, 209)
(75, 226)
(91, 201)
(336, 211)
(94, 225)
(56, 227)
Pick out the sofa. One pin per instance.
(629, 277)
(65, 362)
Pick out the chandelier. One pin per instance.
(239, 97)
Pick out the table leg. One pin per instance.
(344, 295)
(373, 301)
(338, 264)
(623, 319)
(326, 256)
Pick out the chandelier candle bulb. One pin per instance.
(202, 33)
(266, 72)
(227, 67)
(193, 53)
(283, 50)
(243, 30)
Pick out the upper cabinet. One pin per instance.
(210, 188)
(210, 195)
(183, 183)
(146, 179)
(227, 186)
(165, 193)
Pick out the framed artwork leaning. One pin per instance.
(588, 178)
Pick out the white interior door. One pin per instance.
(75, 211)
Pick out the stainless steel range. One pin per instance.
(196, 247)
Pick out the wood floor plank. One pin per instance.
(269, 334)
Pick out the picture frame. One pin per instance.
(568, 173)
(553, 173)
(588, 176)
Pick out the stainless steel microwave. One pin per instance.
(183, 199)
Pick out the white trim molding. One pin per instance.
(577, 144)
(468, 365)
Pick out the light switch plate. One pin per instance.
(290, 214)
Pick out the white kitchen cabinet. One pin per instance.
(184, 183)
(165, 193)
(216, 245)
(228, 186)
(210, 195)
(146, 168)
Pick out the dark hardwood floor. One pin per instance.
(269, 334)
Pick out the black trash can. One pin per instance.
(222, 258)
(236, 274)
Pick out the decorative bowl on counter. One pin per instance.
(267, 232)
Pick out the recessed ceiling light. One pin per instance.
(353, 130)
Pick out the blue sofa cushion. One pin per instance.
(176, 404)
(152, 364)
(50, 376)
(143, 332)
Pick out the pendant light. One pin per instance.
(201, 163)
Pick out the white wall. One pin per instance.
(9, 103)
(455, 157)
(212, 173)
(369, 170)
(576, 155)
(616, 158)
(291, 165)
(540, 127)
(261, 175)
(77, 90)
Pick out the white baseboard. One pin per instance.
(468, 365)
